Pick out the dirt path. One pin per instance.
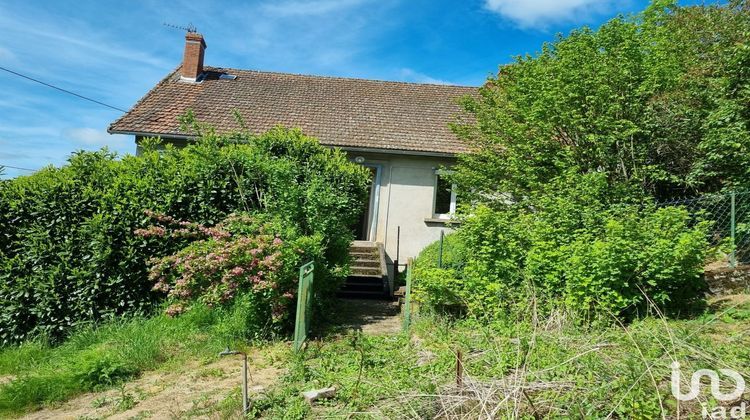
(199, 390)
(371, 316)
(193, 390)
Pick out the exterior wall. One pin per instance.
(406, 199)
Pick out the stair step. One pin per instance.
(365, 251)
(367, 271)
(362, 295)
(364, 280)
(366, 277)
(363, 287)
(374, 263)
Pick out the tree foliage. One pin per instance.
(660, 101)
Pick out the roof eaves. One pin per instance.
(144, 98)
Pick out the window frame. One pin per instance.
(452, 204)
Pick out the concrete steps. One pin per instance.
(368, 276)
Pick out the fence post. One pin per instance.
(407, 296)
(440, 252)
(304, 300)
(733, 255)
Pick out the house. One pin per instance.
(398, 130)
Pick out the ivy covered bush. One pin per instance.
(75, 240)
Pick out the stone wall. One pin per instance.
(728, 280)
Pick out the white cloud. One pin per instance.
(92, 137)
(540, 14)
(409, 75)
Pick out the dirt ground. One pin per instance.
(197, 389)
(192, 390)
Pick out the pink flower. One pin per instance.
(160, 286)
(151, 231)
(268, 260)
(175, 309)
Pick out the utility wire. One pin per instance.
(16, 167)
(61, 90)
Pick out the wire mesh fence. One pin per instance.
(730, 217)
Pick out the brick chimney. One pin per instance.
(192, 61)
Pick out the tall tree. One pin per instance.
(659, 100)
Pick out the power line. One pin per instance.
(61, 90)
(16, 167)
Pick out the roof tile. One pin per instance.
(342, 112)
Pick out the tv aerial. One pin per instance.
(190, 28)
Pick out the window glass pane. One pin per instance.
(443, 196)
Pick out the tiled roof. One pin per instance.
(342, 112)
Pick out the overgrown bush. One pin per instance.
(68, 252)
(571, 251)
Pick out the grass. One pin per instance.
(96, 358)
(514, 369)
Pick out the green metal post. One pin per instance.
(407, 297)
(304, 300)
(733, 255)
(440, 253)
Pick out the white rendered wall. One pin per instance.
(406, 199)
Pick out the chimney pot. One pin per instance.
(192, 61)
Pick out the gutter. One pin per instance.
(147, 134)
(344, 148)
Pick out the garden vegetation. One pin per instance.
(573, 148)
(568, 289)
(89, 241)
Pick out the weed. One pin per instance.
(100, 402)
(210, 373)
(126, 401)
(100, 357)
(511, 368)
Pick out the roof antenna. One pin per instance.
(190, 28)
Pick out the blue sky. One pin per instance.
(116, 51)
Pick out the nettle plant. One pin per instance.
(241, 257)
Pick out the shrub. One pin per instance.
(571, 251)
(68, 252)
(658, 100)
(638, 258)
(240, 257)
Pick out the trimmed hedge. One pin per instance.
(68, 252)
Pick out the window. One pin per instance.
(445, 196)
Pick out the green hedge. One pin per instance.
(68, 252)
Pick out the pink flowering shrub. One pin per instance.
(240, 256)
